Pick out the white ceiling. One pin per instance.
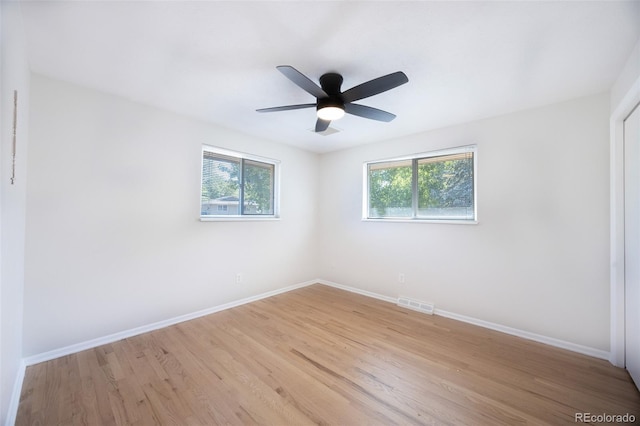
(216, 60)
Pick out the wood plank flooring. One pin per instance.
(319, 355)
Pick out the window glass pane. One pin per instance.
(390, 189)
(258, 187)
(220, 185)
(237, 185)
(445, 187)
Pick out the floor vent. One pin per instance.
(416, 305)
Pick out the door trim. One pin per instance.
(616, 123)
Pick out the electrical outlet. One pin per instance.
(401, 278)
(238, 278)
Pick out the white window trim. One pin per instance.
(456, 150)
(239, 218)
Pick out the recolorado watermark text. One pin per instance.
(604, 418)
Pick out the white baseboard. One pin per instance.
(89, 344)
(551, 341)
(358, 291)
(12, 409)
(574, 347)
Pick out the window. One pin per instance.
(237, 185)
(436, 186)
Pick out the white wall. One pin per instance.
(114, 239)
(538, 258)
(628, 77)
(15, 76)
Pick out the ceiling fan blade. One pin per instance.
(375, 86)
(368, 112)
(286, 108)
(322, 125)
(302, 81)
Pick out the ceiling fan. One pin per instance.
(331, 104)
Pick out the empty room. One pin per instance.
(319, 212)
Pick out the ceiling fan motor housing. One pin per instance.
(330, 83)
(331, 101)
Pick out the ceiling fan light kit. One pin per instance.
(330, 108)
(331, 103)
(330, 113)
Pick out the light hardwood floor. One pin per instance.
(319, 355)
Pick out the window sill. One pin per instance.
(239, 219)
(408, 220)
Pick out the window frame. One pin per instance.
(241, 156)
(415, 158)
